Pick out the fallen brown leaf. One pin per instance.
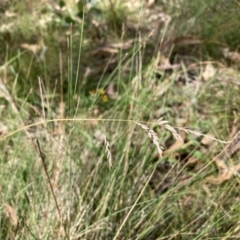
(178, 144)
(209, 72)
(233, 56)
(12, 215)
(207, 140)
(3, 130)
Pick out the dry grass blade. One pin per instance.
(165, 124)
(198, 134)
(109, 154)
(153, 136)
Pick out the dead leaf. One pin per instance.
(122, 45)
(164, 63)
(103, 51)
(188, 40)
(192, 161)
(3, 130)
(209, 72)
(111, 92)
(111, 48)
(207, 139)
(10, 14)
(178, 144)
(12, 215)
(233, 56)
(220, 179)
(150, 3)
(93, 122)
(31, 47)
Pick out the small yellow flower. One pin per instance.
(105, 98)
(100, 93)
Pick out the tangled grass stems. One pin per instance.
(151, 133)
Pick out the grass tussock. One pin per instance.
(119, 120)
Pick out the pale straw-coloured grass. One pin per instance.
(154, 137)
(165, 125)
(151, 133)
(109, 155)
(108, 151)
